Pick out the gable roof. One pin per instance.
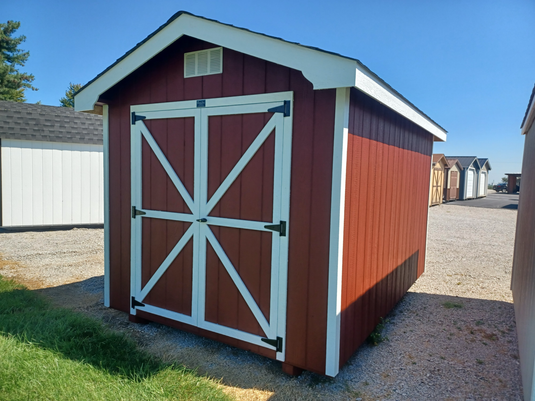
(466, 161)
(483, 161)
(453, 162)
(325, 70)
(529, 117)
(438, 157)
(35, 122)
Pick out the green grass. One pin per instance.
(50, 353)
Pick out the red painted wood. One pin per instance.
(313, 122)
(387, 186)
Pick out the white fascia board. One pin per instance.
(324, 70)
(368, 84)
(530, 119)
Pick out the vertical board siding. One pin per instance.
(46, 183)
(162, 80)
(387, 195)
(523, 280)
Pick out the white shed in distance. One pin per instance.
(51, 166)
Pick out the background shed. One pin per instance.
(241, 191)
(468, 176)
(452, 180)
(483, 179)
(51, 166)
(437, 179)
(523, 280)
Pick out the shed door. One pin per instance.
(437, 188)
(454, 185)
(210, 205)
(470, 184)
(482, 184)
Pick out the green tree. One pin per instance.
(13, 83)
(68, 100)
(505, 179)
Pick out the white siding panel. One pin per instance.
(86, 185)
(46, 183)
(95, 186)
(76, 174)
(37, 181)
(57, 183)
(66, 185)
(7, 204)
(16, 184)
(26, 184)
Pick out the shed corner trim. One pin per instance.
(336, 241)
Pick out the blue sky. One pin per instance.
(468, 64)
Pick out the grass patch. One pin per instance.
(376, 337)
(52, 353)
(452, 305)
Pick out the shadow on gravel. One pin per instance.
(512, 206)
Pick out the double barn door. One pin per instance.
(210, 204)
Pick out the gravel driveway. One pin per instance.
(452, 337)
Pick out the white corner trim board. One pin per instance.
(106, 165)
(336, 245)
(324, 70)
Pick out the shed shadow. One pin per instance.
(512, 206)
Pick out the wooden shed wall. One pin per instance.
(523, 280)
(162, 80)
(387, 193)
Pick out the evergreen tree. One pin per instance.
(13, 83)
(68, 100)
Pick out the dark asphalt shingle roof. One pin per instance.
(452, 162)
(482, 161)
(465, 161)
(35, 122)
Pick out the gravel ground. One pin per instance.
(452, 337)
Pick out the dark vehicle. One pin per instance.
(501, 187)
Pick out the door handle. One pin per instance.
(203, 220)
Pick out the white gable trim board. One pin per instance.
(51, 183)
(324, 70)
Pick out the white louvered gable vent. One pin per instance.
(204, 62)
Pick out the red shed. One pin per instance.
(261, 193)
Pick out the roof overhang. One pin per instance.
(529, 117)
(323, 69)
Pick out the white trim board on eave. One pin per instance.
(530, 118)
(324, 70)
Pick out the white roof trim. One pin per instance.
(530, 117)
(324, 70)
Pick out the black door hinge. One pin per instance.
(201, 103)
(136, 117)
(283, 108)
(136, 303)
(280, 228)
(277, 343)
(136, 212)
